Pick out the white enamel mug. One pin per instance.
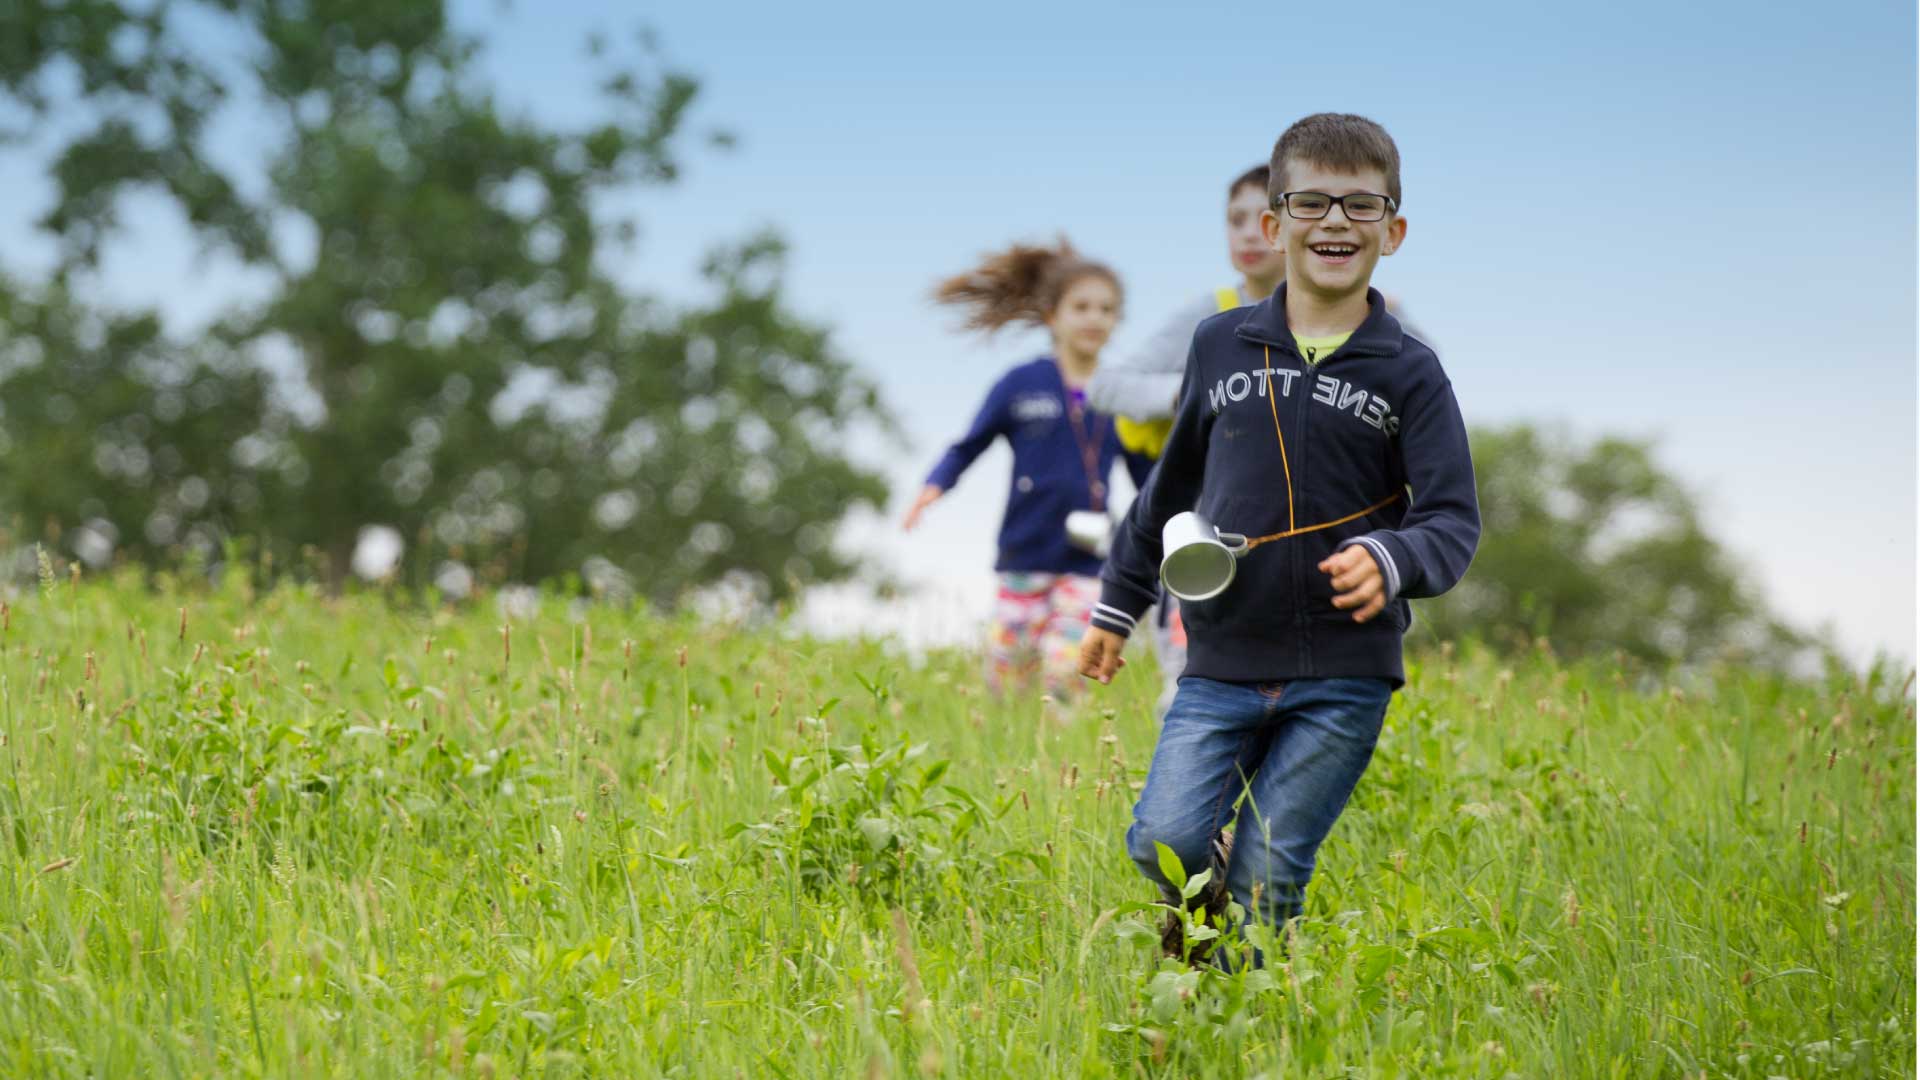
(1199, 560)
(1091, 531)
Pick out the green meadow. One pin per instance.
(287, 835)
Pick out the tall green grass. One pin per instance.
(285, 835)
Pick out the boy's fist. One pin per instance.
(1100, 654)
(1356, 581)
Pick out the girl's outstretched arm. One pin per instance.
(988, 423)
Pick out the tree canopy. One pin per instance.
(441, 349)
(1596, 548)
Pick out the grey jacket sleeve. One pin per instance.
(1408, 327)
(1143, 385)
(1130, 581)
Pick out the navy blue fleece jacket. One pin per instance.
(1366, 447)
(1029, 406)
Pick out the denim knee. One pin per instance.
(1187, 838)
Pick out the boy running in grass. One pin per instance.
(1313, 423)
(1140, 389)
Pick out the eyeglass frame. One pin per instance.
(1283, 200)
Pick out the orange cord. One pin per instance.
(1274, 408)
(1256, 541)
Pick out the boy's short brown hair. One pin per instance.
(1257, 177)
(1339, 141)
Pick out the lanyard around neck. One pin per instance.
(1089, 447)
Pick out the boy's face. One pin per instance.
(1086, 315)
(1246, 242)
(1333, 257)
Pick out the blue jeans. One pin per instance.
(1297, 748)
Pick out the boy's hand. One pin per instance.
(1100, 654)
(1356, 581)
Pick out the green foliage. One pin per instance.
(284, 833)
(421, 246)
(1596, 548)
(870, 821)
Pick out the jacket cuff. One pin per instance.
(1119, 609)
(1377, 545)
(943, 476)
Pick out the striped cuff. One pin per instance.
(1389, 570)
(1108, 617)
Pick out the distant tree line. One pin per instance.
(1593, 547)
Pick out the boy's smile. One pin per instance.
(1334, 256)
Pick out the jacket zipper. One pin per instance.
(1303, 625)
(1296, 567)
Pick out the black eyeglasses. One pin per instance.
(1314, 205)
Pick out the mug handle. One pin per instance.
(1236, 543)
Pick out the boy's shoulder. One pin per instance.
(1414, 351)
(1418, 368)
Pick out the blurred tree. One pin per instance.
(441, 349)
(1595, 548)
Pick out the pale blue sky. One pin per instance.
(1695, 222)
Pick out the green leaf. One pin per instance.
(1195, 883)
(1374, 962)
(878, 831)
(1038, 859)
(1170, 867)
(1450, 937)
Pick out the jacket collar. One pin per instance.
(1379, 335)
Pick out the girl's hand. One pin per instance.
(926, 498)
(1356, 581)
(1100, 654)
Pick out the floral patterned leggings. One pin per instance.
(1038, 621)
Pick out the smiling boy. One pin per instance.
(1313, 423)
